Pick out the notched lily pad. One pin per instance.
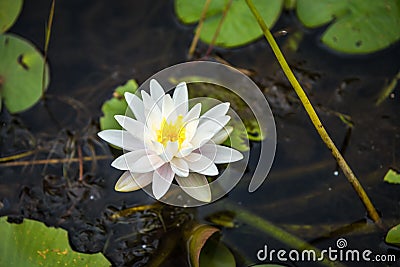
(239, 27)
(357, 27)
(21, 73)
(116, 106)
(9, 11)
(31, 243)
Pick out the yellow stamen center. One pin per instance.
(171, 131)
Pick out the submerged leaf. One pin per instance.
(9, 11)
(393, 236)
(357, 27)
(31, 243)
(116, 106)
(239, 27)
(21, 72)
(392, 177)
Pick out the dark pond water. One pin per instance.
(97, 45)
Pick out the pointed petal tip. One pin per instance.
(125, 183)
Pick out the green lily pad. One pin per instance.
(31, 243)
(358, 26)
(21, 72)
(116, 106)
(9, 11)
(239, 27)
(392, 177)
(393, 236)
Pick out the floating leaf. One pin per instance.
(239, 27)
(357, 27)
(392, 177)
(216, 254)
(9, 11)
(393, 236)
(31, 243)
(116, 106)
(21, 72)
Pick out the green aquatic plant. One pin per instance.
(31, 243)
(23, 73)
(393, 236)
(21, 69)
(204, 249)
(116, 105)
(356, 27)
(392, 177)
(9, 12)
(239, 26)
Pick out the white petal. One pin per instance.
(133, 181)
(191, 121)
(180, 167)
(190, 129)
(134, 127)
(186, 149)
(196, 186)
(168, 109)
(215, 112)
(194, 113)
(147, 163)
(208, 129)
(220, 154)
(181, 99)
(222, 135)
(127, 161)
(122, 139)
(156, 92)
(201, 164)
(151, 111)
(162, 179)
(136, 105)
(170, 151)
(157, 147)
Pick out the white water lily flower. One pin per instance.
(166, 140)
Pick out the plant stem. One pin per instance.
(314, 117)
(46, 44)
(198, 29)
(53, 161)
(219, 26)
(17, 156)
